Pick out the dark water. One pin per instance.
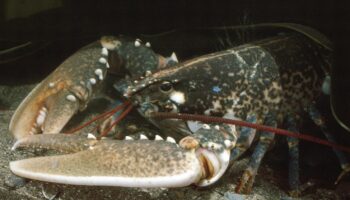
(55, 34)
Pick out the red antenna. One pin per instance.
(208, 119)
(103, 115)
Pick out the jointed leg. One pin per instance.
(244, 140)
(293, 168)
(319, 121)
(266, 138)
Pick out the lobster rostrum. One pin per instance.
(267, 82)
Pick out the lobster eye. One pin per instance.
(166, 86)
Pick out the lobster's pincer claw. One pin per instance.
(141, 163)
(126, 163)
(56, 99)
(68, 89)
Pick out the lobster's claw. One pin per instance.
(126, 163)
(70, 87)
(140, 163)
(54, 101)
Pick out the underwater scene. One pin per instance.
(226, 100)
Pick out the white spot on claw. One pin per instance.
(71, 98)
(206, 126)
(177, 97)
(92, 81)
(143, 137)
(228, 143)
(107, 65)
(43, 111)
(158, 138)
(148, 44)
(102, 60)
(99, 73)
(174, 57)
(104, 51)
(171, 140)
(128, 138)
(137, 43)
(51, 85)
(41, 117)
(91, 136)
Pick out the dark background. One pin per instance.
(57, 33)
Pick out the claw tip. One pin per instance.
(174, 57)
(15, 145)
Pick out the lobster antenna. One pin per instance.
(103, 115)
(116, 121)
(210, 119)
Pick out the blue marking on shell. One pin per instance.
(216, 89)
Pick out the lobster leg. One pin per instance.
(266, 138)
(316, 116)
(245, 139)
(293, 168)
